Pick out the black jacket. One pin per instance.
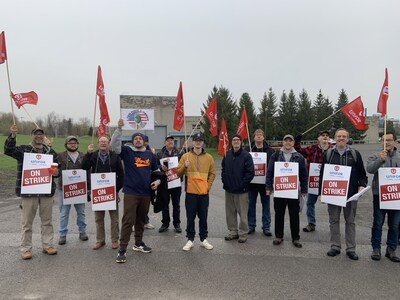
(160, 199)
(93, 163)
(358, 176)
(237, 171)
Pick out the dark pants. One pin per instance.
(294, 210)
(196, 205)
(174, 195)
(393, 217)
(135, 212)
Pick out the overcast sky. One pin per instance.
(147, 47)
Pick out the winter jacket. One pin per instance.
(200, 174)
(358, 176)
(295, 157)
(374, 163)
(159, 199)
(237, 171)
(66, 163)
(93, 163)
(17, 152)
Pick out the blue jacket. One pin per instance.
(237, 171)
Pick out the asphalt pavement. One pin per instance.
(254, 270)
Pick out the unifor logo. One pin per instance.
(256, 154)
(337, 168)
(38, 156)
(286, 165)
(103, 176)
(319, 166)
(74, 172)
(393, 171)
(137, 119)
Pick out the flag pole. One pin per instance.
(321, 122)
(384, 134)
(9, 88)
(37, 126)
(248, 134)
(94, 115)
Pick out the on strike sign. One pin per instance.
(36, 178)
(335, 184)
(172, 178)
(286, 180)
(104, 195)
(74, 186)
(260, 163)
(389, 188)
(313, 178)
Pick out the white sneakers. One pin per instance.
(188, 246)
(205, 244)
(148, 226)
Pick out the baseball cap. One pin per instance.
(288, 136)
(34, 131)
(198, 136)
(322, 132)
(70, 138)
(169, 137)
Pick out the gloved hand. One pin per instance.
(298, 138)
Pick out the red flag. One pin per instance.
(3, 51)
(25, 98)
(223, 142)
(179, 114)
(242, 129)
(354, 112)
(104, 116)
(211, 114)
(383, 97)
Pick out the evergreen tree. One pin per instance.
(266, 119)
(287, 114)
(226, 108)
(305, 116)
(322, 108)
(245, 101)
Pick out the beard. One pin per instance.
(71, 150)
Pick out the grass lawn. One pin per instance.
(7, 162)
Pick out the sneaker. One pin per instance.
(231, 237)
(242, 239)
(251, 231)
(83, 236)
(163, 228)
(333, 252)
(178, 229)
(353, 255)
(206, 245)
(121, 257)
(188, 246)
(376, 254)
(392, 256)
(27, 254)
(148, 226)
(62, 240)
(141, 248)
(309, 228)
(277, 241)
(267, 232)
(50, 250)
(297, 244)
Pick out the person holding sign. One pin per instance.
(199, 170)
(313, 155)
(341, 154)
(387, 158)
(35, 185)
(259, 145)
(236, 173)
(174, 193)
(71, 159)
(105, 161)
(285, 169)
(139, 163)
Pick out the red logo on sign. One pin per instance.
(319, 166)
(286, 165)
(103, 176)
(393, 171)
(256, 154)
(74, 172)
(38, 156)
(337, 168)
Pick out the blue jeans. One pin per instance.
(266, 214)
(196, 205)
(174, 195)
(64, 216)
(311, 200)
(379, 220)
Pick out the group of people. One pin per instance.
(141, 176)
